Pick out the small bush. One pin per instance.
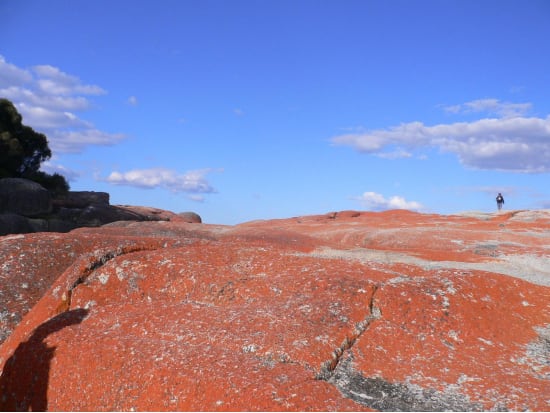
(56, 184)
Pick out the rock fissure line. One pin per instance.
(328, 367)
(94, 265)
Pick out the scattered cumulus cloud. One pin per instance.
(193, 183)
(492, 107)
(196, 197)
(74, 141)
(377, 202)
(44, 118)
(50, 101)
(11, 75)
(53, 167)
(132, 101)
(507, 143)
(53, 81)
(53, 102)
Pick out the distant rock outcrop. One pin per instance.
(190, 217)
(26, 206)
(348, 311)
(82, 199)
(24, 197)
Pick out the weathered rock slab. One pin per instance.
(82, 199)
(347, 311)
(27, 207)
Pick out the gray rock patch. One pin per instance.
(379, 394)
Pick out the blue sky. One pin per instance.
(242, 110)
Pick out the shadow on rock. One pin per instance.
(24, 380)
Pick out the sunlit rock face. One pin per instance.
(344, 311)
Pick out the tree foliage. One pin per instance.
(22, 150)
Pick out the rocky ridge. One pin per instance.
(27, 207)
(345, 311)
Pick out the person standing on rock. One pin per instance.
(500, 201)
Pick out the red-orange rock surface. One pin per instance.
(344, 311)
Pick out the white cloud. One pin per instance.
(11, 75)
(378, 202)
(518, 144)
(53, 102)
(196, 197)
(73, 141)
(192, 182)
(50, 101)
(491, 106)
(41, 118)
(132, 101)
(52, 167)
(53, 81)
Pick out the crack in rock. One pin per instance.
(376, 392)
(96, 261)
(328, 367)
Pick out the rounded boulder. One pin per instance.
(190, 217)
(23, 197)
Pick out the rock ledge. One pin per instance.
(26, 206)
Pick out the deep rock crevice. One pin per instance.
(329, 366)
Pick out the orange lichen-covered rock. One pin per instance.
(344, 311)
